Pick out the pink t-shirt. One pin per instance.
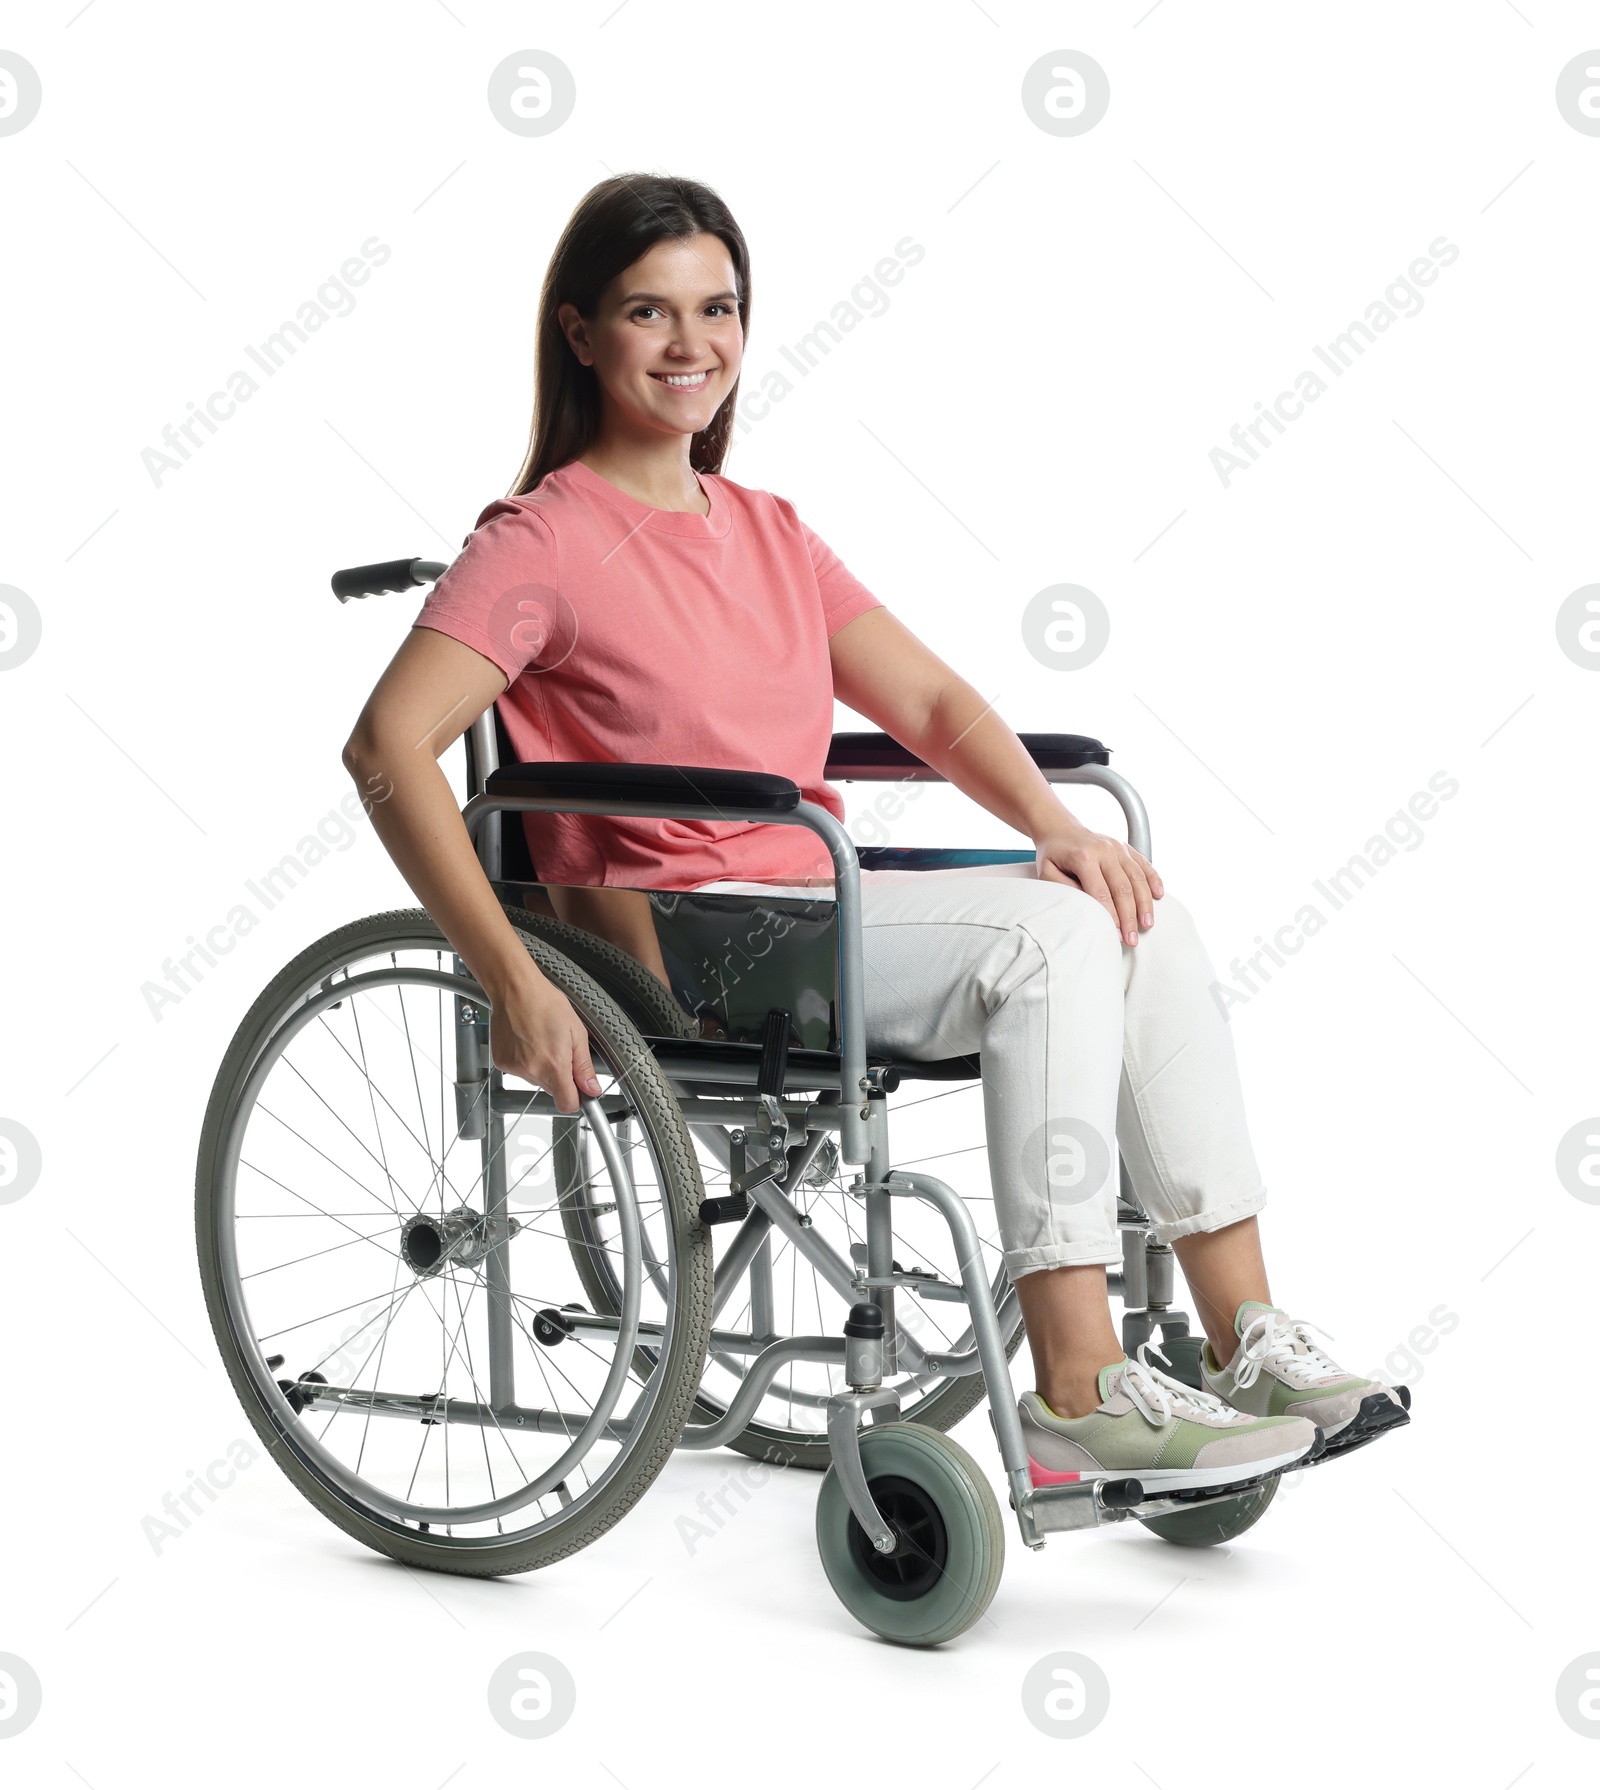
(642, 636)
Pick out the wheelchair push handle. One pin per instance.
(392, 574)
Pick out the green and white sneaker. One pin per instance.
(1278, 1371)
(1155, 1429)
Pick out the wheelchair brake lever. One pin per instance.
(735, 1203)
(769, 1171)
(775, 1132)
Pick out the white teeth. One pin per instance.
(682, 378)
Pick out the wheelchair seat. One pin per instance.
(718, 946)
(681, 1057)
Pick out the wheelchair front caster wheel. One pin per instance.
(940, 1579)
(1208, 1524)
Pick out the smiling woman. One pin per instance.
(668, 358)
(628, 603)
(645, 308)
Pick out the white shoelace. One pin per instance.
(1273, 1339)
(1159, 1398)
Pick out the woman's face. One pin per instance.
(667, 339)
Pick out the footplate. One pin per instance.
(1048, 1509)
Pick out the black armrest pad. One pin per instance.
(875, 755)
(691, 785)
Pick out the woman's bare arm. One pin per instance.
(882, 671)
(432, 691)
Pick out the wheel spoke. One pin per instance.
(375, 1094)
(386, 1204)
(316, 1211)
(332, 1249)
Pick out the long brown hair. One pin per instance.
(615, 223)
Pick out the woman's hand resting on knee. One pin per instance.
(1123, 881)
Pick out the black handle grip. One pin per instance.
(393, 574)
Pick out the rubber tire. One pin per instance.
(691, 1333)
(639, 993)
(651, 1007)
(1210, 1524)
(1183, 1352)
(564, 1160)
(976, 1539)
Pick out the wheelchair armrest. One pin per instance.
(693, 786)
(874, 757)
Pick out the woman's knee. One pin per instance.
(1172, 948)
(1073, 938)
(1069, 913)
(1174, 921)
(1071, 923)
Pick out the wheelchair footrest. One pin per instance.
(1095, 1501)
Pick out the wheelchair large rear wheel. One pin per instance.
(937, 1128)
(391, 1288)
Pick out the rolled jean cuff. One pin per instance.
(1063, 1255)
(1214, 1218)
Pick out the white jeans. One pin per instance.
(1084, 1040)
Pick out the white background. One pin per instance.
(1293, 657)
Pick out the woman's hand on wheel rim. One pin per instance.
(535, 1034)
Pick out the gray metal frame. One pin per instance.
(861, 1121)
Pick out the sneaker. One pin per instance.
(1153, 1428)
(1278, 1371)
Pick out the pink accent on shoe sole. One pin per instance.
(1045, 1476)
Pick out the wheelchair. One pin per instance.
(717, 1250)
